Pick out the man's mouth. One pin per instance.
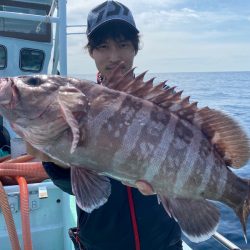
(112, 67)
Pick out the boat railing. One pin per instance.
(76, 26)
(225, 242)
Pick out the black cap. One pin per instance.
(107, 12)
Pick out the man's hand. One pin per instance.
(144, 187)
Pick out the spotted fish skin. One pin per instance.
(131, 130)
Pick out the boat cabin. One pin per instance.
(25, 45)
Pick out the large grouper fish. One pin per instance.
(133, 130)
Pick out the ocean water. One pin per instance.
(228, 92)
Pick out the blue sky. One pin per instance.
(176, 35)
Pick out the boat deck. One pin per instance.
(50, 217)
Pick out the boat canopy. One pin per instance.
(27, 40)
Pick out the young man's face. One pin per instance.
(110, 53)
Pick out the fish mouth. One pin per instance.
(6, 91)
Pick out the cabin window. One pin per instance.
(31, 60)
(3, 57)
(25, 29)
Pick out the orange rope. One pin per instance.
(27, 169)
(23, 158)
(4, 205)
(4, 158)
(20, 166)
(17, 168)
(24, 204)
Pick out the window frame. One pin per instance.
(31, 49)
(6, 54)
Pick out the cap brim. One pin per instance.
(99, 26)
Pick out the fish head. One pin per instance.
(24, 101)
(40, 107)
(19, 95)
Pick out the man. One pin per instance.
(128, 220)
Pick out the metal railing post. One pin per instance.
(62, 37)
(225, 242)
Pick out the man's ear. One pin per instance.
(90, 52)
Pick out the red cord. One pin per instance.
(133, 218)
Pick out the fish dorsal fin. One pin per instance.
(159, 94)
(230, 141)
(228, 138)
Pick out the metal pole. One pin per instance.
(76, 33)
(62, 36)
(23, 16)
(77, 25)
(56, 52)
(225, 242)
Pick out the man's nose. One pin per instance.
(114, 54)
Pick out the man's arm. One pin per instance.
(61, 177)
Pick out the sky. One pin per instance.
(176, 35)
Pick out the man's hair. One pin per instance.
(113, 30)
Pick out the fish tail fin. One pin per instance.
(243, 210)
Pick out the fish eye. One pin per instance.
(33, 81)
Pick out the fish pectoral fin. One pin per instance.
(74, 105)
(198, 219)
(91, 190)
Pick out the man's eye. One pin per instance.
(102, 46)
(124, 45)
